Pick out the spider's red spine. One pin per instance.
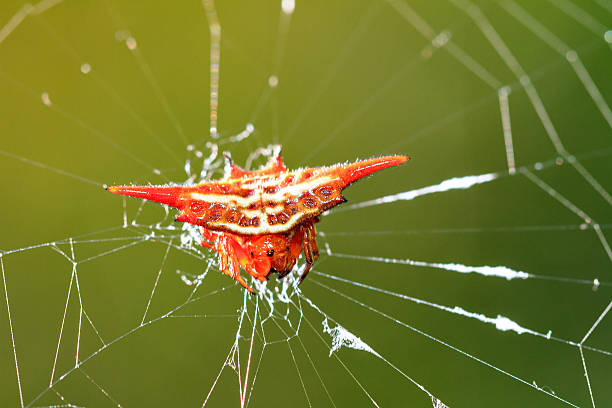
(349, 173)
(169, 195)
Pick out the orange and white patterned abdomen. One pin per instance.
(265, 201)
(262, 205)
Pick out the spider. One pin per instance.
(261, 220)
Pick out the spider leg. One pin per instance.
(312, 233)
(295, 248)
(236, 275)
(309, 260)
(241, 281)
(208, 239)
(289, 267)
(311, 250)
(230, 263)
(252, 270)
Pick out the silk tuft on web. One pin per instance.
(479, 274)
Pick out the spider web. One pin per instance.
(478, 274)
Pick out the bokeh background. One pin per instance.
(355, 79)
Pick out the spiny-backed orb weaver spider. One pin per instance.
(261, 220)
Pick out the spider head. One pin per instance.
(270, 251)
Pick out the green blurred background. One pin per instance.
(356, 79)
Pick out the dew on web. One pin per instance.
(46, 99)
(454, 183)
(273, 81)
(344, 338)
(288, 6)
(85, 68)
(136, 302)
